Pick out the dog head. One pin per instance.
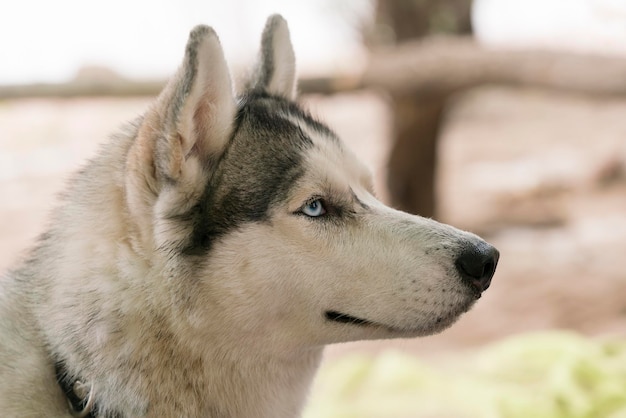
(256, 214)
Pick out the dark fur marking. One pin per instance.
(288, 107)
(262, 161)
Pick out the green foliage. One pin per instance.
(550, 375)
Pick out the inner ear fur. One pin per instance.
(193, 117)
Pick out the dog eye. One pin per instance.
(314, 208)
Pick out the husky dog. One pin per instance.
(197, 266)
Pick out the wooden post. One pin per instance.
(413, 158)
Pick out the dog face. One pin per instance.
(321, 259)
(259, 218)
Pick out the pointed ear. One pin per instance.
(180, 139)
(196, 109)
(275, 71)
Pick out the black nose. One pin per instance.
(477, 264)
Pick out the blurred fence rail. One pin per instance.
(120, 87)
(436, 66)
(116, 87)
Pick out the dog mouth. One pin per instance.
(438, 323)
(343, 318)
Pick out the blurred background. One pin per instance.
(503, 117)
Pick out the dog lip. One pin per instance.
(336, 316)
(440, 323)
(342, 318)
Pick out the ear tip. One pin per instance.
(275, 22)
(201, 30)
(200, 33)
(276, 18)
(202, 40)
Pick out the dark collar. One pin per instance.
(79, 395)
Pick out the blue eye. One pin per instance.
(314, 208)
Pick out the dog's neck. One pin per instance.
(223, 382)
(145, 363)
(247, 386)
